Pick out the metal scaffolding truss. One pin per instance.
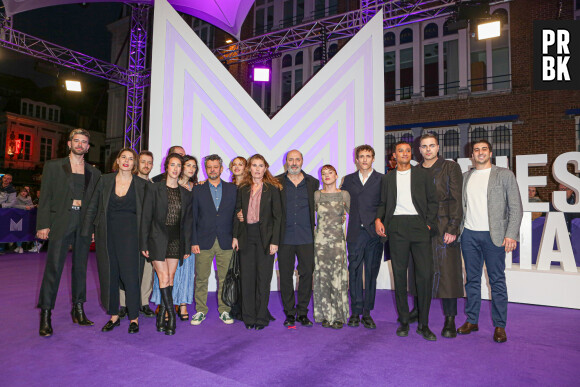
(137, 76)
(53, 53)
(395, 13)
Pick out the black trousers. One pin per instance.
(55, 258)
(286, 258)
(124, 263)
(410, 237)
(365, 255)
(256, 274)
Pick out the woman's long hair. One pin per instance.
(243, 159)
(268, 178)
(186, 158)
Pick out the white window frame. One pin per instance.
(397, 48)
(265, 6)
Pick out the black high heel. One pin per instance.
(182, 316)
(160, 323)
(168, 301)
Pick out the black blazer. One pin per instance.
(423, 195)
(312, 184)
(153, 230)
(270, 216)
(209, 224)
(364, 200)
(97, 216)
(56, 200)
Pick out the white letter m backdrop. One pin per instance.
(196, 103)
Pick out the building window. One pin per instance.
(316, 58)
(406, 73)
(499, 135)
(446, 29)
(204, 30)
(292, 75)
(389, 39)
(578, 131)
(263, 16)
(50, 114)
(577, 10)
(478, 64)
(30, 110)
(431, 31)
(332, 50)
(323, 8)
(390, 78)
(450, 67)
(23, 108)
(406, 36)
(45, 149)
(431, 69)
(43, 113)
(293, 13)
(25, 147)
(448, 141)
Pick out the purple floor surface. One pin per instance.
(543, 346)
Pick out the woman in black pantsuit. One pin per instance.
(166, 226)
(257, 238)
(115, 210)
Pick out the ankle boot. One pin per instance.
(449, 329)
(168, 301)
(78, 315)
(45, 323)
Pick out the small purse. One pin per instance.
(231, 288)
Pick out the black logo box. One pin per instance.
(573, 27)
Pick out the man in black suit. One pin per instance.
(297, 235)
(213, 209)
(67, 186)
(364, 246)
(409, 210)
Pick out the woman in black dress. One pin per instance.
(166, 229)
(257, 238)
(115, 211)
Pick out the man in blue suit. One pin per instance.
(363, 244)
(214, 204)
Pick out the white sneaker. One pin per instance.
(33, 250)
(19, 250)
(197, 318)
(225, 317)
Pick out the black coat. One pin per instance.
(154, 237)
(423, 195)
(97, 216)
(57, 195)
(270, 216)
(312, 185)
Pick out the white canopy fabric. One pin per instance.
(227, 15)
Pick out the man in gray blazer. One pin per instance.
(492, 213)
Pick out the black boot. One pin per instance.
(78, 315)
(45, 323)
(168, 301)
(449, 329)
(160, 324)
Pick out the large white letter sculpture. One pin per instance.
(195, 102)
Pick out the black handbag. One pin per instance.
(231, 289)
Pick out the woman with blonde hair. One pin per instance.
(115, 211)
(237, 167)
(257, 237)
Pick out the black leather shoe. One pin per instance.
(110, 325)
(259, 327)
(123, 312)
(45, 323)
(403, 330)
(167, 296)
(290, 320)
(160, 323)
(353, 321)
(449, 329)
(304, 321)
(250, 326)
(78, 315)
(337, 325)
(414, 316)
(146, 310)
(133, 327)
(424, 331)
(325, 324)
(368, 322)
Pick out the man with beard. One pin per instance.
(364, 246)
(67, 186)
(297, 238)
(144, 166)
(408, 211)
(492, 214)
(447, 265)
(213, 209)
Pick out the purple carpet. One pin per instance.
(543, 346)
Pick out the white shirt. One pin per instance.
(476, 218)
(404, 201)
(362, 179)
